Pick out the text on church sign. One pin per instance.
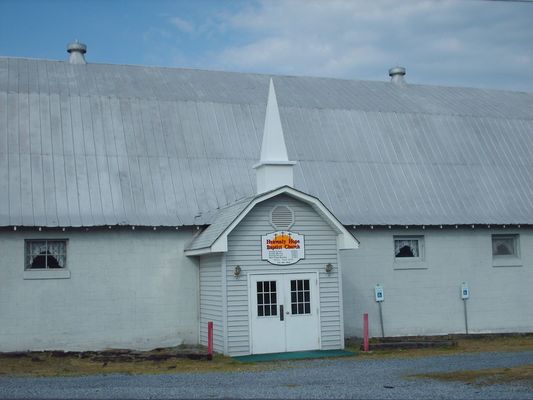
(282, 247)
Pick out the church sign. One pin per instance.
(282, 248)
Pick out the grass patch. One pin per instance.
(520, 374)
(464, 345)
(45, 364)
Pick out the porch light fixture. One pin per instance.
(329, 268)
(237, 271)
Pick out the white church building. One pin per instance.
(139, 203)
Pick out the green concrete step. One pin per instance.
(294, 355)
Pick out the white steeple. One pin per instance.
(274, 169)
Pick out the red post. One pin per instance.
(210, 340)
(365, 332)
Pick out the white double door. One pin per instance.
(284, 312)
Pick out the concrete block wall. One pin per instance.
(127, 289)
(423, 298)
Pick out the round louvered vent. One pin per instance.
(282, 217)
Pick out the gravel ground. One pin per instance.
(337, 378)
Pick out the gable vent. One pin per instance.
(281, 217)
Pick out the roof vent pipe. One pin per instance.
(397, 75)
(77, 51)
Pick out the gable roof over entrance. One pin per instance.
(214, 239)
(94, 144)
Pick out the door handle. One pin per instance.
(281, 316)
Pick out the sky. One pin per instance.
(475, 43)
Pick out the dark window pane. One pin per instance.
(293, 285)
(300, 284)
(267, 311)
(266, 286)
(294, 309)
(274, 310)
(267, 298)
(273, 286)
(39, 261)
(503, 249)
(52, 262)
(260, 311)
(273, 298)
(405, 251)
(259, 287)
(307, 308)
(300, 308)
(306, 296)
(259, 299)
(293, 297)
(306, 284)
(300, 297)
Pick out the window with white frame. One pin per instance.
(409, 247)
(46, 254)
(505, 246)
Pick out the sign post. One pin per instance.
(465, 294)
(378, 291)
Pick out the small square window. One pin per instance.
(505, 246)
(46, 254)
(409, 247)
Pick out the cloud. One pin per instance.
(362, 39)
(447, 42)
(182, 24)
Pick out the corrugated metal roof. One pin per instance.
(85, 145)
(220, 222)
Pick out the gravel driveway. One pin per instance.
(338, 378)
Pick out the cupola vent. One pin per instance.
(77, 51)
(397, 75)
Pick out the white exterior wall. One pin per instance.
(127, 289)
(427, 301)
(211, 302)
(244, 249)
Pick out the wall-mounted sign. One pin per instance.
(282, 247)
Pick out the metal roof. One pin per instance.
(95, 144)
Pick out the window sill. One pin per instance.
(47, 274)
(507, 262)
(404, 264)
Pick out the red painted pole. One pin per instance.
(210, 340)
(365, 332)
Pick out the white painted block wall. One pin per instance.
(427, 301)
(127, 289)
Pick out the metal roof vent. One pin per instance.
(282, 217)
(76, 51)
(397, 75)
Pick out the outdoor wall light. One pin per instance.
(237, 271)
(329, 268)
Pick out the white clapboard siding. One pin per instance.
(244, 249)
(211, 300)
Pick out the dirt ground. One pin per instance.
(54, 364)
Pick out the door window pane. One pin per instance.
(300, 297)
(266, 299)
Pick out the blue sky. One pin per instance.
(487, 44)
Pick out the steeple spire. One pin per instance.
(274, 168)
